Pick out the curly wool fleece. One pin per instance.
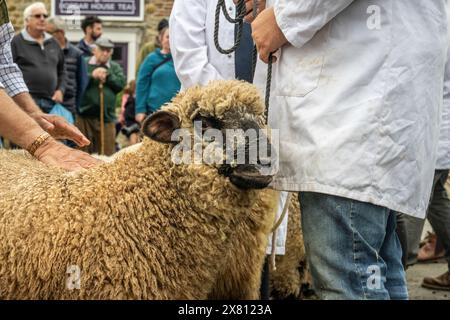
(139, 227)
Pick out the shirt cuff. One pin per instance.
(10, 74)
(12, 80)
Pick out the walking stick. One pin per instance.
(102, 119)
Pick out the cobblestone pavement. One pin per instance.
(416, 273)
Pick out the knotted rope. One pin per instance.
(239, 20)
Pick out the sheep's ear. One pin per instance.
(160, 126)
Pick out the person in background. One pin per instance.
(150, 46)
(357, 148)
(92, 27)
(157, 82)
(40, 59)
(76, 68)
(438, 213)
(101, 69)
(127, 118)
(23, 123)
(196, 58)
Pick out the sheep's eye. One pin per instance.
(209, 122)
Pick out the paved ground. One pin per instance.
(416, 273)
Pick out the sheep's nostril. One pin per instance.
(264, 161)
(225, 170)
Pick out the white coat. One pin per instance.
(192, 42)
(357, 96)
(443, 150)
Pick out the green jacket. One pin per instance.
(115, 82)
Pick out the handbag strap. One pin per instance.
(161, 63)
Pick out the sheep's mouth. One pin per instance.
(248, 177)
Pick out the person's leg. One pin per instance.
(110, 138)
(93, 127)
(439, 213)
(439, 217)
(343, 240)
(403, 236)
(414, 227)
(395, 277)
(83, 125)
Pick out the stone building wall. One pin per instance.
(15, 9)
(156, 10)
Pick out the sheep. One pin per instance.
(291, 279)
(140, 227)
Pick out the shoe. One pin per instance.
(439, 283)
(427, 250)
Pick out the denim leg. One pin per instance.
(395, 277)
(439, 212)
(346, 243)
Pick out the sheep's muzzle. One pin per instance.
(249, 178)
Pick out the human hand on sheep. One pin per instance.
(59, 128)
(249, 9)
(56, 154)
(267, 35)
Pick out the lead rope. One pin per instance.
(239, 20)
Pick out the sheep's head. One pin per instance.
(225, 121)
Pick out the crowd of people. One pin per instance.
(363, 115)
(78, 81)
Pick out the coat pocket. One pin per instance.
(299, 69)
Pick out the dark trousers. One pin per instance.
(44, 104)
(90, 127)
(439, 216)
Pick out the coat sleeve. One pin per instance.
(301, 20)
(188, 43)
(116, 78)
(10, 75)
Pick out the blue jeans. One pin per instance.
(45, 105)
(352, 248)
